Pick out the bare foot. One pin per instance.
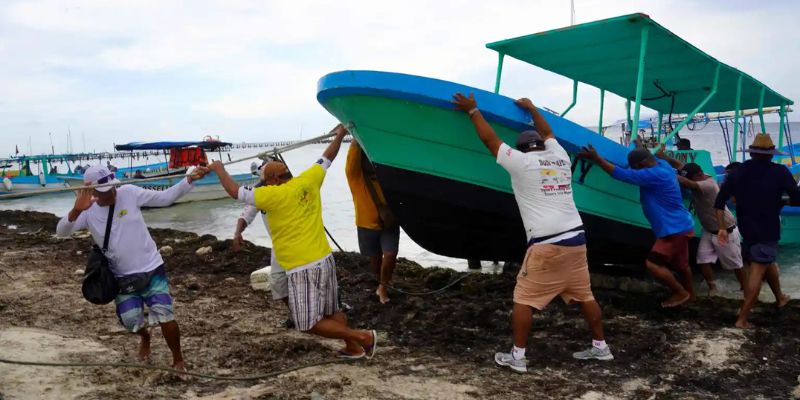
(181, 366)
(144, 348)
(743, 324)
(783, 300)
(383, 294)
(676, 300)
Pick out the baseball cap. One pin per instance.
(528, 140)
(638, 155)
(98, 175)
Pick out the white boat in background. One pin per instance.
(182, 157)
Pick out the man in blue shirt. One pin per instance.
(671, 222)
(758, 186)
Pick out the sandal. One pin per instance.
(347, 356)
(373, 348)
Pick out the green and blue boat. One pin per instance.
(447, 190)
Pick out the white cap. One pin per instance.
(97, 175)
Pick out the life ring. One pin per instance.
(7, 184)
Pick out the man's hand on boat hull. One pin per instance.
(539, 122)
(485, 131)
(525, 104)
(588, 152)
(464, 103)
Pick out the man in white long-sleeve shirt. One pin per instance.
(131, 251)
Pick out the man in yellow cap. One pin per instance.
(758, 185)
(294, 214)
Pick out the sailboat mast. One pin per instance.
(572, 12)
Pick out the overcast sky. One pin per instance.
(120, 71)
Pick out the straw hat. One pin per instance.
(763, 144)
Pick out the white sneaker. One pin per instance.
(593, 353)
(507, 360)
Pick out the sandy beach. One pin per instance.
(434, 347)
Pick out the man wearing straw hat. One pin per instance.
(294, 213)
(132, 253)
(758, 185)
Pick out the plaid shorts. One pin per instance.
(130, 307)
(313, 292)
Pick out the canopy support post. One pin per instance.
(640, 80)
(600, 121)
(574, 98)
(761, 109)
(627, 117)
(500, 57)
(736, 117)
(696, 109)
(660, 118)
(782, 113)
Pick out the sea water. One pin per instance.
(218, 217)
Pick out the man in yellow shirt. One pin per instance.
(294, 214)
(378, 231)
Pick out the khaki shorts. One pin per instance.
(549, 271)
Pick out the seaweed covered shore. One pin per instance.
(436, 346)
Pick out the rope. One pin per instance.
(459, 279)
(137, 181)
(269, 375)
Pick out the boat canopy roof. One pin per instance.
(605, 54)
(206, 145)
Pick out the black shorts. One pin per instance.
(373, 242)
(760, 252)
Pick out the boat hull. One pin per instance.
(463, 220)
(450, 195)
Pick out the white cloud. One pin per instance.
(139, 68)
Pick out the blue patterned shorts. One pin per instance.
(130, 307)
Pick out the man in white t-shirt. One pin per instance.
(555, 263)
(132, 252)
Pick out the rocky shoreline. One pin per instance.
(437, 346)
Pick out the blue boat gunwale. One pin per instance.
(439, 93)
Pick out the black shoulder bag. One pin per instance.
(99, 284)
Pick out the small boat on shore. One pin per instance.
(453, 199)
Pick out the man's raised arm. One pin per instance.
(228, 183)
(333, 148)
(662, 154)
(485, 131)
(539, 122)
